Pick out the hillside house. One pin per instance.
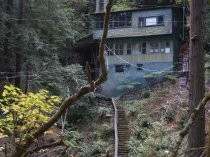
(141, 43)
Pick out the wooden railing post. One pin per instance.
(115, 128)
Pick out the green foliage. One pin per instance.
(146, 94)
(45, 40)
(122, 5)
(169, 116)
(60, 80)
(23, 113)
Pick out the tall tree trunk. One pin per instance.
(196, 137)
(7, 50)
(18, 53)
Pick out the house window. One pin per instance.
(139, 67)
(99, 20)
(119, 68)
(101, 5)
(110, 49)
(120, 20)
(162, 47)
(129, 48)
(151, 21)
(142, 47)
(122, 68)
(119, 49)
(168, 48)
(154, 47)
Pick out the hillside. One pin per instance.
(154, 119)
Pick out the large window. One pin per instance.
(162, 47)
(119, 20)
(151, 21)
(99, 20)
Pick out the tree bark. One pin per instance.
(196, 136)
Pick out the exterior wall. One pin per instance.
(135, 31)
(131, 79)
(141, 58)
(154, 65)
(137, 57)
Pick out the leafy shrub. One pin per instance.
(169, 116)
(146, 94)
(23, 113)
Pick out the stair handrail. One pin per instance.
(115, 128)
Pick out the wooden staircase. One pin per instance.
(123, 133)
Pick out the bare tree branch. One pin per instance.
(51, 145)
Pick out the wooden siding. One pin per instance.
(135, 31)
(141, 58)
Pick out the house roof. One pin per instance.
(143, 7)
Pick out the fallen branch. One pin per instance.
(83, 90)
(51, 145)
(189, 123)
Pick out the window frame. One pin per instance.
(129, 49)
(142, 47)
(159, 21)
(119, 48)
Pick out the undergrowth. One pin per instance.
(155, 121)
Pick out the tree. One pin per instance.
(196, 136)
(22, 148)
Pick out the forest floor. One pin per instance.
(155, 115)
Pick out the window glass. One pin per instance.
(142, 22)
(101, 5)
(167, 49)
(154, 48)
(119, 68)
(119, 49)
(151, 21)
(99, 22)
(139, 67)
(120, 20)
(160, 20)
(162, 46)
(143, 47)
(129, 48)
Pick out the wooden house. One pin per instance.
(141, 43)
